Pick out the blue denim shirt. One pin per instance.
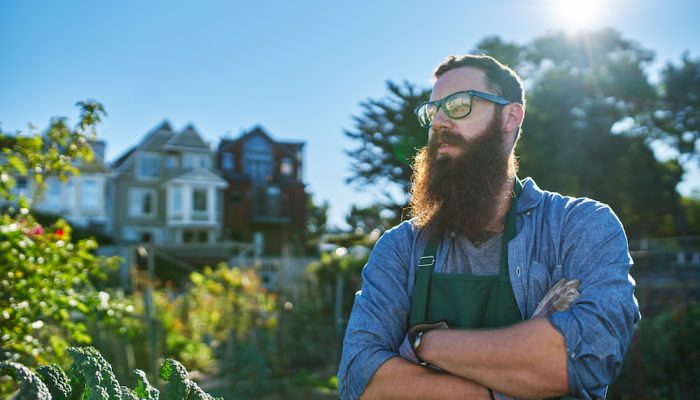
(557, 237)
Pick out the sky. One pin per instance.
(299, 69)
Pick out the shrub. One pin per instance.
(91, 378)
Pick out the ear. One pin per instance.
(512, 117)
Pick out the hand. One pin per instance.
(407, 351)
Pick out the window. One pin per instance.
(188, 161)
(273, 200)
(177, 200)
(203, 162)
(142, 202)
(147, 165)
(170, 161)
(195, 236)
(199, 200)
(286, 167)
(90, 195)
(140, 235)
(53, 194)
(227, 162)
(70, 195)
(257, 159)
(22, 186)
(192, 161)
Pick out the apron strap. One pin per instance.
(427, 261)
(510, 228)
(420, 289)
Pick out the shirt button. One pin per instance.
(528, 213)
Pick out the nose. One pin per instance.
(441, 120)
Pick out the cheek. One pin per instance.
(474, 126)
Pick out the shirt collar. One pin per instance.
(530, 197)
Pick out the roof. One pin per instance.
(290, 147)
(119, 161)
(163, 137)
(188, 137)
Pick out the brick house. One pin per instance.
(266, 199)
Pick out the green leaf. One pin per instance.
(17, 164)
(30, 386)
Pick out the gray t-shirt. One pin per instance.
(464, 257)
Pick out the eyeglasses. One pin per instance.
(456, 106)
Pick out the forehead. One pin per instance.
(458, 79)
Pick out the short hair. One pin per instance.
(499, 77)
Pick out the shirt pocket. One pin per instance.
(541, 278)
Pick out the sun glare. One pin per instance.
(575, 15)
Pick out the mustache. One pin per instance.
(445, 137)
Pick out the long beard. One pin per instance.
(462, 193)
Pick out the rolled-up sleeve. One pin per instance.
(599, 326)
(379, 317)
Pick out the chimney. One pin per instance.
(99, 147)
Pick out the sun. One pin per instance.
(576, 15)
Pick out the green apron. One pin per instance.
(464, 300)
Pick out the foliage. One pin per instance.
(306, 378)
(46, 278)
(510, 54)
(664, 361)
(316, 222)
(367, 219)
(678, 116)
(91, 378)
(579, 133)
(388, 136)
(330, 265)
(53, 153)
(217, 302)
(60, 388)
(586, 130)
(31, 387)
(179, 386)
(47, 281)
(143, 389)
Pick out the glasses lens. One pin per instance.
(458, 105)
(426, 113)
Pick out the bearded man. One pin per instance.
(449, 298)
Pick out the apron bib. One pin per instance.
(466, 301)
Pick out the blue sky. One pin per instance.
(297, 68)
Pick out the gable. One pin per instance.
(188, 139)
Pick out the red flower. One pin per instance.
(59, 233)
(38, 230)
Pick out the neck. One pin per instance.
(504, 199)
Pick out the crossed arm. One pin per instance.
(400, 379)
(525, 360)
(529, 359)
